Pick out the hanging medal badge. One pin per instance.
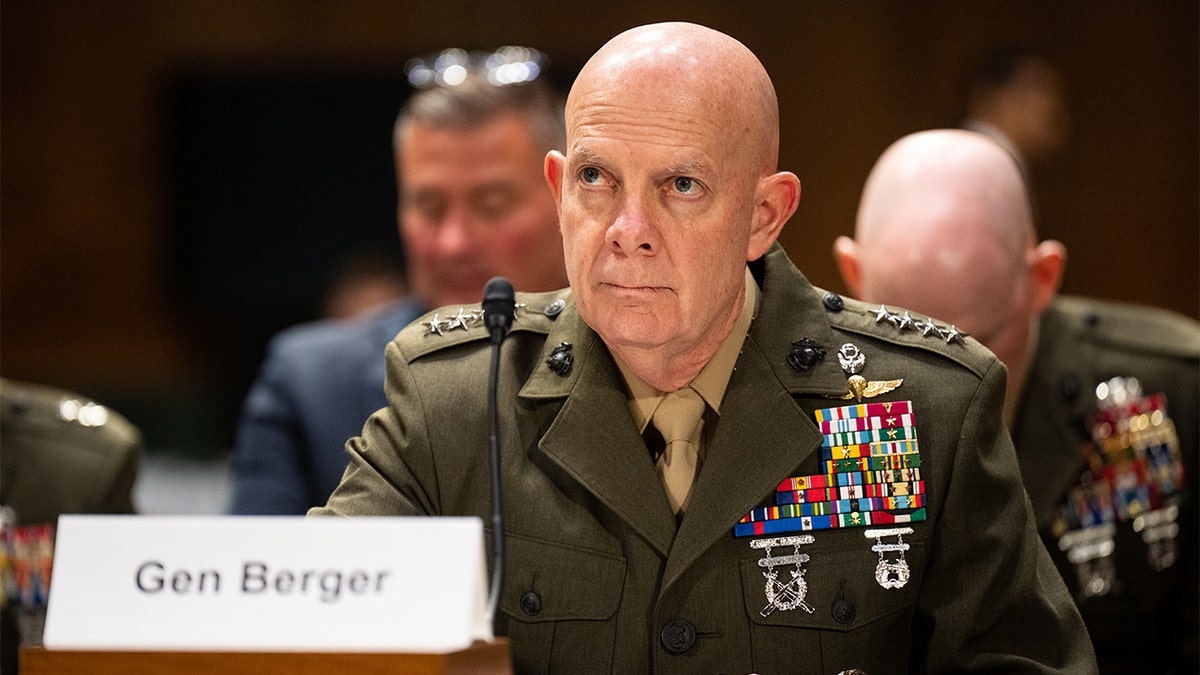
(784, 596)
(890, 573)
(1090, 549)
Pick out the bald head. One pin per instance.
(943, 224)
(668, 186)
(945, 228)
(690, 71)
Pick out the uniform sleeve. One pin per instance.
(391, 470)
(993, 600)
(267, 455)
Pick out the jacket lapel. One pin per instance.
(762, 435)
(593, 437)
(1049, 429)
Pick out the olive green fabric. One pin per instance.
(51, 464)
(1148, 622)
(597, 572)
(59, 453)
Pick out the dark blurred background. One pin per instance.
(178, 177)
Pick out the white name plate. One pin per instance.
(284, 583)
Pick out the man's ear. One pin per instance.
(845, 252)
(553, 168)
(1046, 270)
(776, 199)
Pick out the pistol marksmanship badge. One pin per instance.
(789, 595)
(852, 360)
(890, 573)
(1134, 474)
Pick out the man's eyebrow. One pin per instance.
(688, 168)
(584, 155)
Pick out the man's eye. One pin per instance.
(686, 185)
(590, 175)
(428, 210)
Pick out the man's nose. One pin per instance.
(456, 232)
(633, 230)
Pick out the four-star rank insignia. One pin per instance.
(464, 319)
(926, 327)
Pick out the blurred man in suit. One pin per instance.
(945, 229)
(473, 205)
(1018, 98)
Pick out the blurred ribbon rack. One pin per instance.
(26, 561)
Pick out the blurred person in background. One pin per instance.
(472, 205)
(945, 229)
(1017, 97)
(362, 282)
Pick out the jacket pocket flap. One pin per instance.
(547, 581)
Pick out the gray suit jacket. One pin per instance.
(319, 383)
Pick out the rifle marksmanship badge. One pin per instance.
(1134, 474)
(790, 594)
(871, 476)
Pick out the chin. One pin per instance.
(630, 329)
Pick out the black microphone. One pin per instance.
(498, 307)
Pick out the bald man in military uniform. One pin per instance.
(790, 528)
(60, 453)
(945, 228)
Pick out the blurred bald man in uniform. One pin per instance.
(684, 492)
(945, 229)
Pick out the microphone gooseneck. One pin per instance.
(498, 307)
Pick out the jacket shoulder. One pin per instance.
(449, 327)
(904, 328)
(1139, 328)
(36, 411)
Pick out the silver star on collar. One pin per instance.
(461, 320)
(435, 325)
(953, 334)
(902, 322)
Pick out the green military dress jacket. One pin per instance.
(62, 453)
(599, 579)
(1149, 622)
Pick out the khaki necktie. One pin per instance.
(677, 418)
